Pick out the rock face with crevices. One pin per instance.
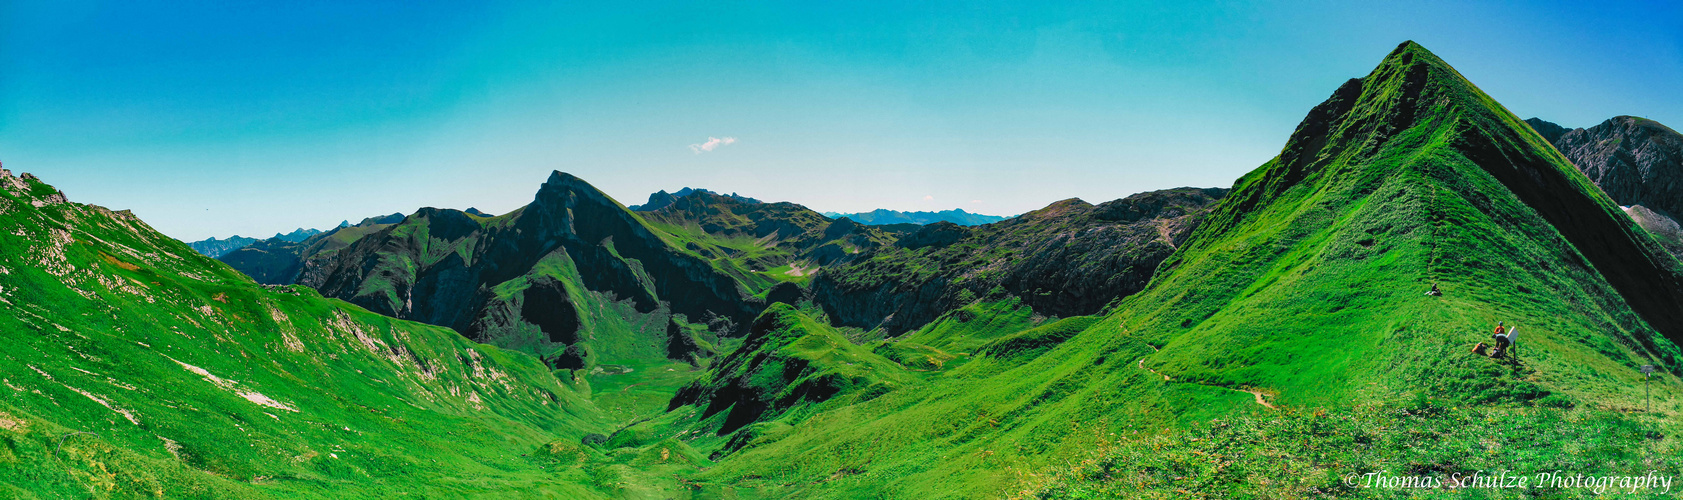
(1069, 258)
(1639, 164)
(1636, 161)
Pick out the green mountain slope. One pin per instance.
(573, 277)
(775, 242)
(1407, 177)
(133, 367)
(1296, 310)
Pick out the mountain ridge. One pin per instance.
(882, 216)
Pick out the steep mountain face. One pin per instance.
(1070, 258)
(279, 261)
(763, 243)
(880, 217)
(134, 367)
(1301, 289)
(1639, 163)
(573, 268)
(1636, 161)
(1404, 178)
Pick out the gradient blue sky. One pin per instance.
(215, 118)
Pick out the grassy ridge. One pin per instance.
(1303, 290)
(135, 367)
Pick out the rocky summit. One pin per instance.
(1636, 161)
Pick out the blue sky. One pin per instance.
(217, 118)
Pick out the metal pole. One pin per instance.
(1647, 395)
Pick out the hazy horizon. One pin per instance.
(209, 120)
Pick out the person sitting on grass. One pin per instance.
(1434, 292)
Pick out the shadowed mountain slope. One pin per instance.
(1407, 177)
(1070, 258)
(279, 261)
(1637, 162)
(572, 266)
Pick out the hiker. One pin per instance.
(1504, 341)
(1434, 292)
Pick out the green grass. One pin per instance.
(1329, 454)
(1305, 285)
(1301, 291)
(164, 373)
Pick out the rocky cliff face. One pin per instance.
(1635, 161)
(1069, 258)
(573, 267)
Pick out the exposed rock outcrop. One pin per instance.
(1066, 259)
(1636, 161)
(536, 280)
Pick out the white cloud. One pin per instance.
(928, 197)
(712, 144)
(975, 201)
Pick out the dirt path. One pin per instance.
(1166, 378)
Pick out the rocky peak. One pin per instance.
(1634, 160)
(393, 218)
(938, 234)
(841, 227)
(1550, 131)
(657, 200)
(1154, 204)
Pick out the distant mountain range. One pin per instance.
(278, 261)
(661, 199)
(214, 248)
(881, 217)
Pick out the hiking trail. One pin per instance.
(1257, 394)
